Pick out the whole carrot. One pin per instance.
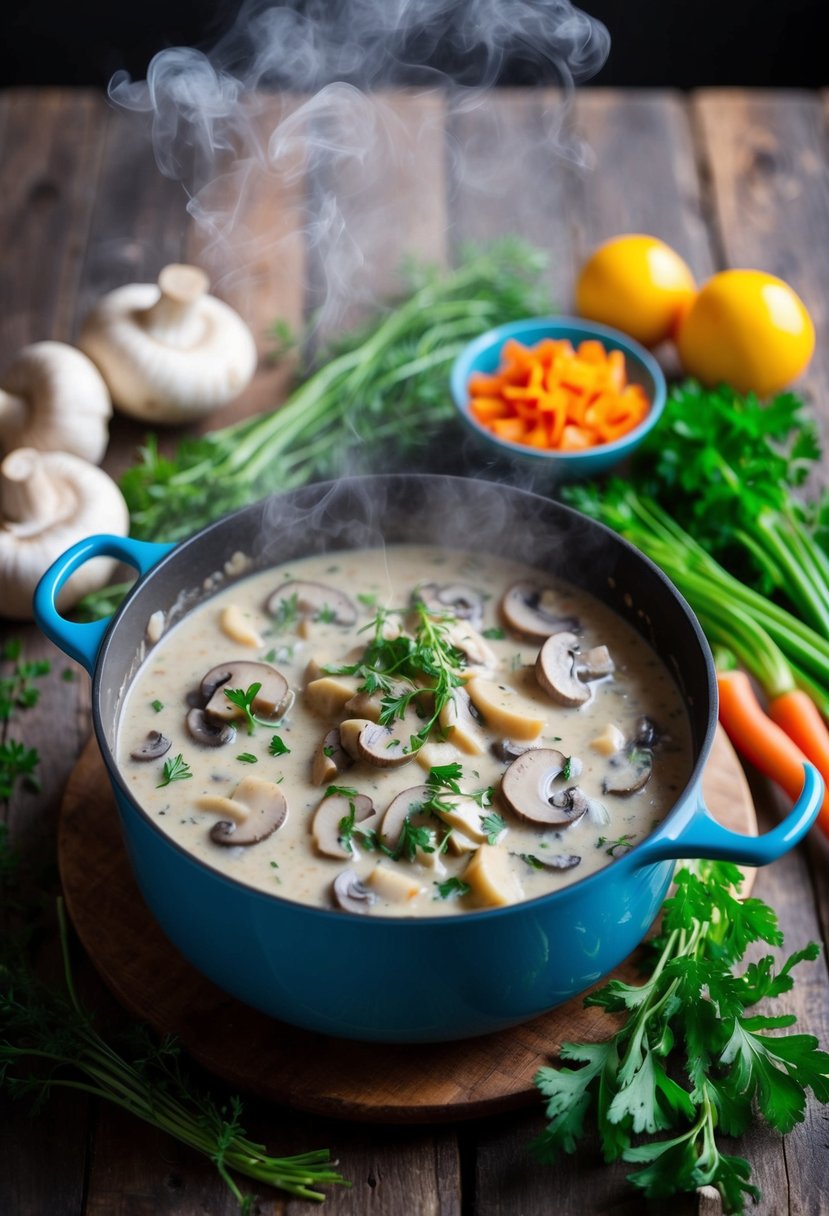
(760, 740)
(796, 713)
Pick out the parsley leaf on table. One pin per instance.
(690, 1057)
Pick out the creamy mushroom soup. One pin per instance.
(404, 731)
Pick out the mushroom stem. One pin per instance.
(12, 410)
(28, 494)
(175, 318)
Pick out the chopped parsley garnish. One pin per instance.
(157, 706)
(176, 769)
(495, 634)
(493, 825)
(247, 758)
(403, 668)
(412, 838)
(567, 769)
(287, 613)
(452, 887)
(531, 861)
(278, 746)
(610, 846)
(366, 599)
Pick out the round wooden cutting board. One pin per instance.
(332, 1077)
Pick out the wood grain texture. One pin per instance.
(382, 1083)
(50, 152)
(765, 157)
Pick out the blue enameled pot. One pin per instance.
(395, 979)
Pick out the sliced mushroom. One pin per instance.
(351, 894)
(211, 732)
(472, 645)
(507, 750)
(330, 759)
(267, 811)
(380, 746)
(529, 611)
(555, 670)
(272, 700)
(594, 664)
(326, 826)
(573, 802)
(455, 599)
(407, 805)
(314, 602)
(154, 746)
(526, 789)
(628, 771)
(648, 734)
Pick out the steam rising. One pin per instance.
(215, 128)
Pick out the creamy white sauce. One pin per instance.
(287, 863)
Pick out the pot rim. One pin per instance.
(632, 860)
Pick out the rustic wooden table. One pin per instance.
(729, 179)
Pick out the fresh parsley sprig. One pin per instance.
(691, 1019)
(407, 670)
(175, 769)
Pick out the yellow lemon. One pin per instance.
(637, 284)
(747, 329)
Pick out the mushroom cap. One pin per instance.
(351, 894)
(86, 501)
(529, 611)
(628, 771)
(314, 600)
(452, 599)
(334, 808)
(526, 789)
(154, 379)
(67, 401)
(271, 700)
(387, 746)
(154, 747)
(555, 670)
(406, 805)
(267, 811)
(211, 732)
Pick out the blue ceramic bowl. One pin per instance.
(544, 469)
(385, 978)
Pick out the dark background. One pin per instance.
(680, 43)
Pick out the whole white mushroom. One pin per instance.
(53, 397)
(48, 501)
(170, 352)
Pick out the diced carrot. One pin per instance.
(512, 429)
(575, 439)
(481, 385)
(487, 408)
(552, 397)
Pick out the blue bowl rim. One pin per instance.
(616, 340)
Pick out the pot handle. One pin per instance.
(704, 837)
(83, 641)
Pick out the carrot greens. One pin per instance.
(692, 1057)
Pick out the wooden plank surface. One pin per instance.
(729, 178)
